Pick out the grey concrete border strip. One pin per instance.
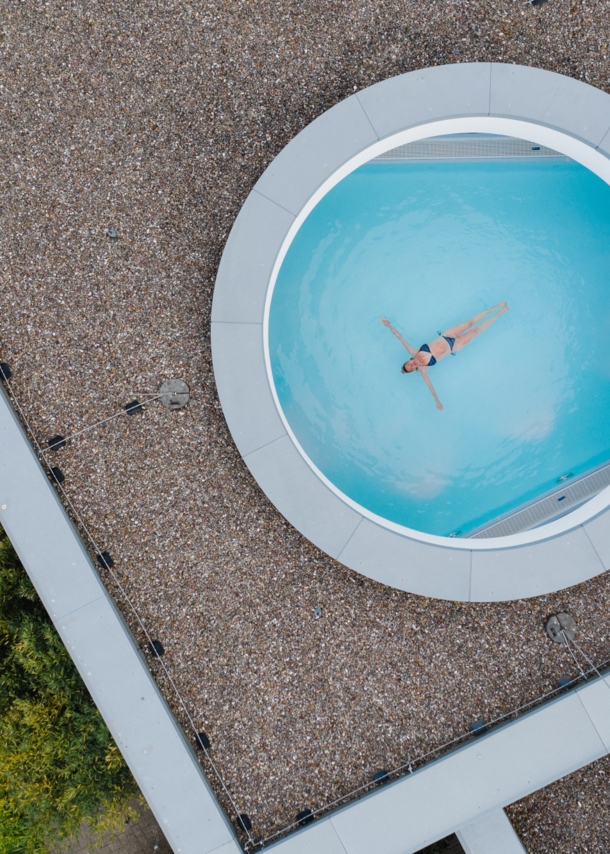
(493, 834)
(104, 651)
(551, 109)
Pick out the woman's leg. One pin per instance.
(455, 331)
(467, 337)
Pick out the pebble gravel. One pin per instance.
(570, 816)
(131, 134)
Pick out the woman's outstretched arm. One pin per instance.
(424, 375)
(411, 350)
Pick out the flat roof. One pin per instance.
(131, 483)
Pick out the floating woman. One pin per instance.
(451, 342)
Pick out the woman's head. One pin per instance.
(409, 366)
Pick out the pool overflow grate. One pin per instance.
(549, 507)
(469, 146)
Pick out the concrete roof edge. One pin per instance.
(104, 650)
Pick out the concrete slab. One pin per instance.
(146, 734)
(241, 377)
(390, 558)
(229, 848)
(595, 698)
(243, 276)
(531, 570)
(318, 838)
(426, 95)
(321, 516)
(492, 834)
(551, 99)
(316, 153)
(485, 775)
(604, 145)
(25, 492)
(598, 531)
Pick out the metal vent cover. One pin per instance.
(470, 147)
(549, 507)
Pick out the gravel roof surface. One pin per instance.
(155, 120)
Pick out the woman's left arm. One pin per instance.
(424, 375)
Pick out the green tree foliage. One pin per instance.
(58, 762)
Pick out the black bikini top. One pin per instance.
(425, 349)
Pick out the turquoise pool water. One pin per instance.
(429, 245)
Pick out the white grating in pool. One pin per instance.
(469, 146)
(550, 507)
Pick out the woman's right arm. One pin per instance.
(423, 371)
(411, 350)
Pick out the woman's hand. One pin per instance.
(439, 406)
(386, 322)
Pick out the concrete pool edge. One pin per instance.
(563, 113)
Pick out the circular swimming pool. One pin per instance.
(505, 492)
(432, 242)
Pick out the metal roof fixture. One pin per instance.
(134, 407)
(175, 394)
(5, 371)
(304, 817)
(57, 474)
(202, 741)
(243, 821)
(104, 559)
(155, 647)
(560, 627)
(57, 442)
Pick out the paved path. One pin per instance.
(143, 836)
